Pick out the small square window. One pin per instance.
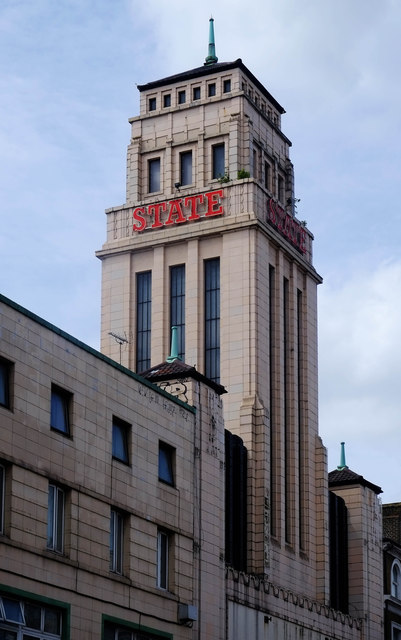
(226, 86)
(211, 90)
(152, 104)
(181, 97)
(120, 444)
(196, 94)
(167, 100)
(166, 463)
(60, 410)
(5, 376)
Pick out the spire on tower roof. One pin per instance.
(211, 57)
(342, 464)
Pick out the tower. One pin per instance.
(208, 241)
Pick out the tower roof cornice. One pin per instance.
(211, 69)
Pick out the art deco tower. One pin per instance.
(208, 241)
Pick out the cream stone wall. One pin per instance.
(82, 464)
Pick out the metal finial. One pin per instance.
(342, 464)
(211, 57)
(174, 346)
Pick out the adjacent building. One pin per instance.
(187, 496)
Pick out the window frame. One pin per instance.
(395, 582)
(6, 368)
(166, 463)
(116, 548)
(143, 332)
(212, 312)
(152, 103)
(211, 90)
(196, 93)
(64, 400)
(186, 168)
(218, 160)
(55, 520)
(181, 96)
(123, 429)
(177, 304)
(47, 606)
(227, 83)
(163, 559)
(154, 175)
(166, 100)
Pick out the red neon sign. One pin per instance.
(287, 225)
(179, 210)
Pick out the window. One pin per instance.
(167, 100)
(256, 162)
(177, 305)
(5, 375)
(268, 176)
(60, 410)
(211, 89)
(2, 496)
(226, 86)
(166, 463)
(186, 168)
(143, 319)
(218, 161)
(113, 630)
(152, 104)
(116, 541)
(55, 518)
(280, 188)
(154, 175)
(181, 97)
(396, 580)
(120, 444)
(212, 319)
(162, 559)
(196, 93)
(19, 616)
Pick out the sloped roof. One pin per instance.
(342, 477)
(178, 370)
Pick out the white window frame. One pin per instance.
(116, 541)
(395, 584)
(55, 519)
(163, 543)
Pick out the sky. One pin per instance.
(68, 76)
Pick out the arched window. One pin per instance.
(396, 579)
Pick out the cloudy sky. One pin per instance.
(68, 70)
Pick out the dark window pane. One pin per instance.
(181, 97)
(196, 93)
(186, 167)
(120, 440)
(12, 610)
(227, 86)
(5, 368)
(162, 560)
(166, 463)
(59, 412)
(212, 319)
(154, 175)
(177, 305)
(152, 104)
(144, 317)
(211, 90)
(167, 100)
(218, 161)
(32, 614)
(52, 622)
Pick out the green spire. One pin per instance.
(211, 57)
(342, 464)
(174, 346)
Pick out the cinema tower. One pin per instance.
(208, 241)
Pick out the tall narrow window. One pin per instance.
(60, 410)
(120, 440)
(154, 175)
(226, 86)
(162, 559)
(268, 176)
(286, 394)
(218, 163)
(116, 541)
(212, 319)
(2, 496)
(395, 580)
(302, 462)
(166, 463)
(177, 305)
(55, 518)
(280, 188)
(5, 374)
(143, 319)
(186, 167)
(274, 472)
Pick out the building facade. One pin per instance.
(187, 496)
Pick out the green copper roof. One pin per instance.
(211, 57)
